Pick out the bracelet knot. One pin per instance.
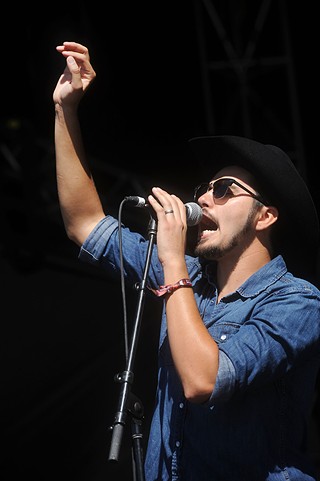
(167, 289)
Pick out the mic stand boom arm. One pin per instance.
(128, 403)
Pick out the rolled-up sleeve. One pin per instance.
(94, 246)
(225, 381)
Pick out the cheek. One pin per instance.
(232, 214)
(233, 218)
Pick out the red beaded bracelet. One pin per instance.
(171, 287)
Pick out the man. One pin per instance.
(240, 336)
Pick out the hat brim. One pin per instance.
(281, 184)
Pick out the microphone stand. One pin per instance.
(128, 403)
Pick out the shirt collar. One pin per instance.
(258, 282)
(263, 278)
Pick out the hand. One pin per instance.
(77, 76)
(172, 226)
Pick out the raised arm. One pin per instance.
(79, 200)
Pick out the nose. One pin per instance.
(204, 199)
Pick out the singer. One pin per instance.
(239, 344)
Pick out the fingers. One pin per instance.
(74, 49)
(79, 52)
(167, 205)
(78, 64)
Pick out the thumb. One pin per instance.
(74, 70)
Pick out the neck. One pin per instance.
(233, 270)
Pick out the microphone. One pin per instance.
(193, 210)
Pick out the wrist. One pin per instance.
(169, 288)
(65, 109)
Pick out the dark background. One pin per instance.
(62, 335)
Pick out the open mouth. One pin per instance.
(207, 227)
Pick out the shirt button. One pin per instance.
(223, 337)
(181, 405)
(177, 443)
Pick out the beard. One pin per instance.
(243, 237)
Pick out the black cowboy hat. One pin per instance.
(278, 181)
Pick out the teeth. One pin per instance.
(209, 226)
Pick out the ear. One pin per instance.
(266, 217)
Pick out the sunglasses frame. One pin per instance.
(229, 181)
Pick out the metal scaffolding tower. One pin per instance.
(247, 72)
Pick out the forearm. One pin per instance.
(80, 204)
(195, 353)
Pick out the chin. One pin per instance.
(201, 251)
(209, 253)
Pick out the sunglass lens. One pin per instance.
(220, 188)
(200, 190)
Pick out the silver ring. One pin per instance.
(168, 211)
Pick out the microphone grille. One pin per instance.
(194, 213)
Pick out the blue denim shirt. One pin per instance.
(253, 427)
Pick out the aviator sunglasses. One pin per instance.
(220, 188)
